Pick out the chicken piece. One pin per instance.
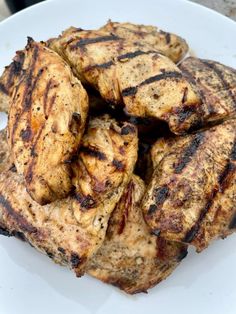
(216, 85)
(8, 80)
(130, 257)
(4, 150)
(170, 45)
(46, 122)
(71, 230)
(192, 196)
(128, 74)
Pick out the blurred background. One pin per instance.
(226, 7)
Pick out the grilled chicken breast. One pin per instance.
(170, 45)
(130, 257)
(191, 197)
(8, 80)
(147, 83)
(46, 121)
(216, 85)
(71, 230)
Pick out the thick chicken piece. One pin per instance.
(130, 257)
(216, 85)
(46, 122)
(145, 82)
(8, 80)
(192, 196)
(71, 230)
(170, 45)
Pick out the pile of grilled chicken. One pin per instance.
(119, 152)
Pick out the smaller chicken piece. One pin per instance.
(170, 45)
(8, 79)
(216, 85)
(47, 118)
(130, 257)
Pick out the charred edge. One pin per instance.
(128, 129)
(19, 235)
(88, 41)
(49, 254)
(118, 165)
(189, 152)
(26, 134)
(223, 181)
(75, 260)
(86, 202)
(93, 152)
(220, 74)
(130, 91)
(183, 253)
(18, 218)
(232, 224)
(5, 232)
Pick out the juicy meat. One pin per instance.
(130, 257)
(128, 74)
(216, 85)
(170, 45)
(71, 230)
(46, 122)
(192, 196)
(8, 80)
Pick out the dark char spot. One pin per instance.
(75, 260)
(232, 224)
(127, 130)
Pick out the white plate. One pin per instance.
(203, 283)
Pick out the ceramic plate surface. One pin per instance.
(204, 283)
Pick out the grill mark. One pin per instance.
(220, 75)
(28, 90)
(160, 194)
(45, 96)
(18, 218)
(93, 152)
(131, 91)
(223, 182)
(88, 41)
(189, 152)
(129, 55)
